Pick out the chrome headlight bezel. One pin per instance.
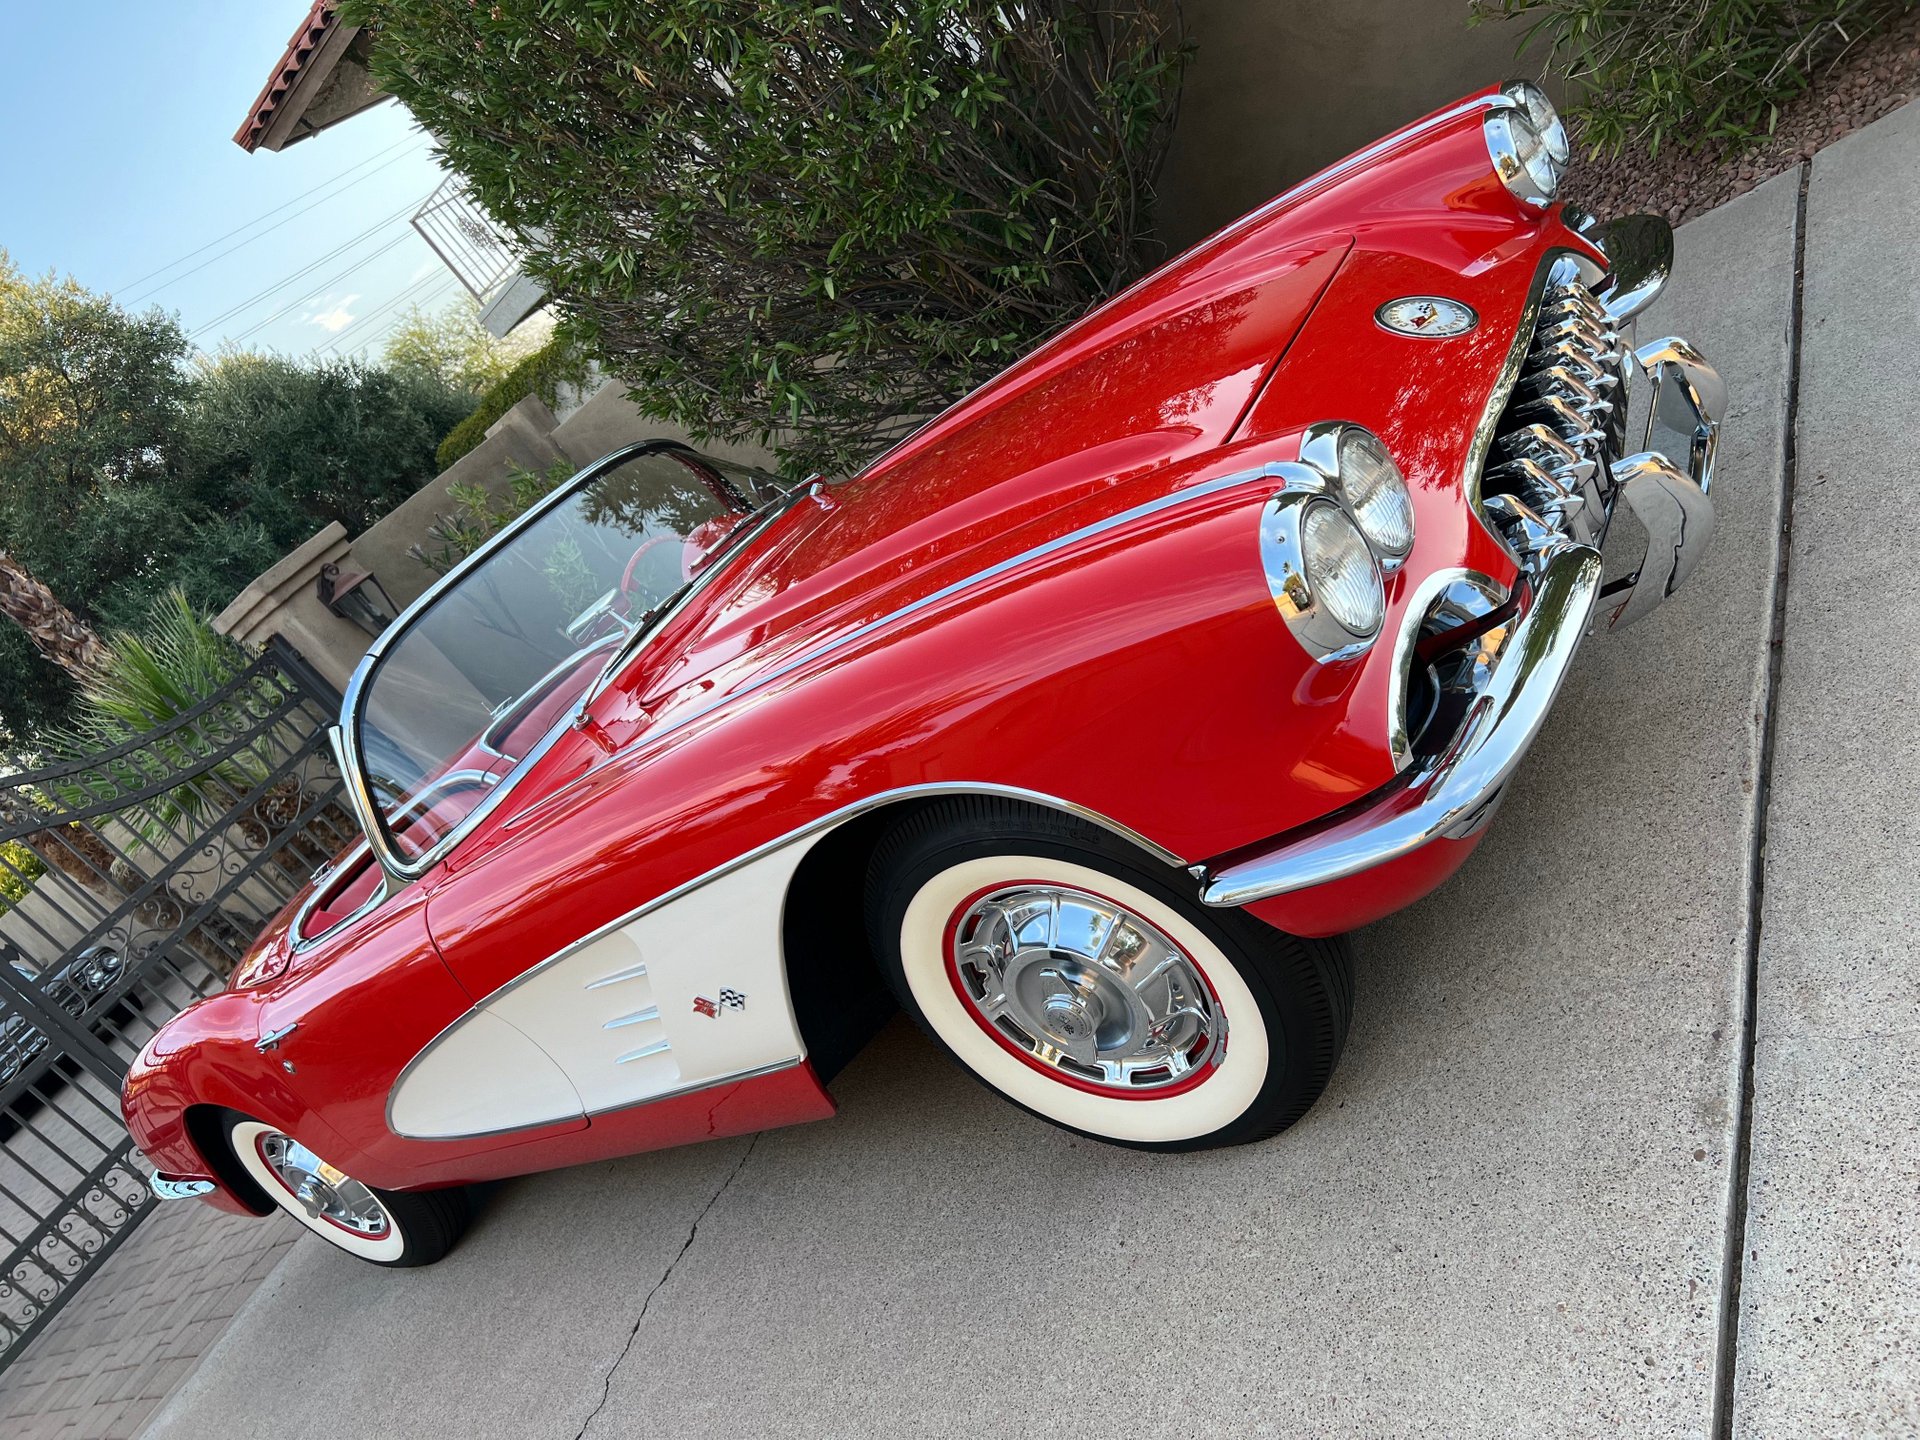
(1325, 447)
(1527, 142)
(1323, 634)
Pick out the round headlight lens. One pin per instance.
(1545, 120)
(1376, 493)
(1341, 573)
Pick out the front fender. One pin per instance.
(204, 1058)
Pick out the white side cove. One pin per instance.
(686, 992)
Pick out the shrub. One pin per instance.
(1688, 71)
(19, 868)
(157, 672)
(810, 224)
(561, 361)
(291, 446)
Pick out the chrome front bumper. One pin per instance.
(1452, 794)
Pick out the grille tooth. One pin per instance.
(1566, 416)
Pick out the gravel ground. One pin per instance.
(1876, 76)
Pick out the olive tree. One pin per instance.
(807, 223)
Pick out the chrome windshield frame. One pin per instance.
(400, 871)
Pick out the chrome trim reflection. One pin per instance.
(1283, 559)
(1550, 269)
(1639, 251)
(1425, 596)
(165, 1187)
(1678, 518)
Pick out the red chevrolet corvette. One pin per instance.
(1084, 722)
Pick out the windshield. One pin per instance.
(465, 689)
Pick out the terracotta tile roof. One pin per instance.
(306, 39)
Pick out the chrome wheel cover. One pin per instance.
(1083, 987)
(322, 1191)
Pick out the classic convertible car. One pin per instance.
(1083, 722)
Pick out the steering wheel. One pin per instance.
(652, 542)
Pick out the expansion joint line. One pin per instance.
(606, 1380)
(1733, 1262)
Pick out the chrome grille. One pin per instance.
(1565, 419)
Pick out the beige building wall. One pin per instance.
(1281, 88)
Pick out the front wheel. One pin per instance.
(386, 1227)
(1087, 983)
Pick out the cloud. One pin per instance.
(336, 319)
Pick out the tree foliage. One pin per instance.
(807, 223)
(126, 470)
(450, 348)
(1686, 72)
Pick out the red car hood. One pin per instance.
(1162, 373)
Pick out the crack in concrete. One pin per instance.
(1733, 1263)
(606, 1380)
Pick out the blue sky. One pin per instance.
(117, 159)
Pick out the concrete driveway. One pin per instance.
(1523, 1207)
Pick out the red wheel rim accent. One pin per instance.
(951, 957)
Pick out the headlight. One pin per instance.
(1376, 493)
(1341, 572)
(1359, 471)
(1322, 575)
(1528, 143)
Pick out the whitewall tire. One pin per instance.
(1084, 981)
(380, 1226)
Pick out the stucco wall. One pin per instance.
(1280, 88)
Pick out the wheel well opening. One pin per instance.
(839, 996)
(207, 1129)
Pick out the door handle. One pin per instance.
(272, 1038)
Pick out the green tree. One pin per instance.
(453, 349)
(125, 471)
(290, 446)
(810, 223)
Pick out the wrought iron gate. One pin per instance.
(131, 882)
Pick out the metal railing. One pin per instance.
(143, 873)
(466, 240)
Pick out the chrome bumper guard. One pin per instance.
(1453, 794)
(1672, 505)
(168, 1188)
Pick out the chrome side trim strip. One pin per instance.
(826, 822)
(1453, 794)
(758, 1071)
(1201, 491)
(658, 1047)
(830, 821)
(638, 1017)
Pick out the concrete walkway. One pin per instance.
(138, 1328)
(1523, 1208)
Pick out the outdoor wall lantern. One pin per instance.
(355, 595)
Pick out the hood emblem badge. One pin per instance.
(1429, 316)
